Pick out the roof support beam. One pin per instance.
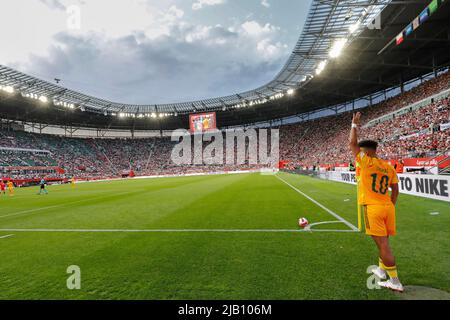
(388, 84)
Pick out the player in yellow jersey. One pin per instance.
(72, 182)
(10, 186)
(375, 178)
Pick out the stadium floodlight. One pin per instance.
(337, 47)
(43, 99)
(8, 89)
(290, 92)
(354, 27)
(153, 115)
(121, 115)
(321, 66)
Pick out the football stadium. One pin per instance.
(325, 177)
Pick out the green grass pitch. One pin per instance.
(222, 259)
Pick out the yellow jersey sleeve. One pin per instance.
(362, 159)
(394, 179)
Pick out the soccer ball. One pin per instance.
(303, 223)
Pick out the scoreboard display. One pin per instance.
(202, 122)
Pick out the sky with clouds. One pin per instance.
(151, 51)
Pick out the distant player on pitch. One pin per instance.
(376, 177)
(2, 187)
(42, 186)
(10, 186)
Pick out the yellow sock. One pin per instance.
(381, 264)
(392, 272)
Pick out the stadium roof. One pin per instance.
(370, 62)
(327, 20)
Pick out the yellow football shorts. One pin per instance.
(380, 220)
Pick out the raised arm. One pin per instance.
(353, 141)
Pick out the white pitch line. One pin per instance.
(32, 210)
(323, 222)
(334, 214)
(174, 230)
(309, 227)
(7, 236)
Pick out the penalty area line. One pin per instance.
(334, 214)
(7, 236)
(174, 230)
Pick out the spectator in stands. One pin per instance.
(399, 166)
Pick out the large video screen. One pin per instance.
(202, 122)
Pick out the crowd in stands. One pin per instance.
(424, 90)
(414, 134)
(95, 158)
(321, 141)
(12, 158)
(78, 157)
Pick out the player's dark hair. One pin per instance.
(368, 144)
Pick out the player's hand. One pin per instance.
(357, 118)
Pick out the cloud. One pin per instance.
(157, 56)
(201, 3)
(265, 3)
(255, 29)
